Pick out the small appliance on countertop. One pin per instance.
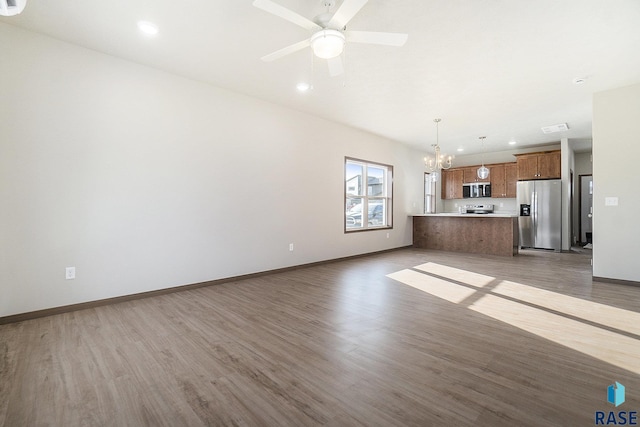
(478, 209)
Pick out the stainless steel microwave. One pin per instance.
(476, 189)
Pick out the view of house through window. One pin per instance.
(367, 189)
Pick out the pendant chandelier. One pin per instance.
(438, 161)
(483, 171)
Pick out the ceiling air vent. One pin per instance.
(555, 128)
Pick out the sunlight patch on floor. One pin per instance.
(437, 287)
(603, 314)
(579, 324)
(463, 276)
(611, 347)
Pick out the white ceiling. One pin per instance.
(500, 68)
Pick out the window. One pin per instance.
(429, 193)
(368, 188)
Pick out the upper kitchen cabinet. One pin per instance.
(549, 165)
(503, 180)
(452, 183)
(511, 179)
(543, 165)
(471, 175)
(502, 176)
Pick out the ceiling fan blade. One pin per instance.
(286, 51)
(335, 66)
(388, 39)
(287, 14)
(345, 12)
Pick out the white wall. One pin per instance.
(143, 180)
(616, 150)
(583, 164)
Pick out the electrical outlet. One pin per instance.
(70, 273)
(290, 247)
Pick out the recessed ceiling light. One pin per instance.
(460, 150)
(148, 28)
(579, 80)
(303, 86)
(512, 143)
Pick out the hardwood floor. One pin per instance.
(410, 337)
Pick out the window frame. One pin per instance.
(387, 195)
(430, 189)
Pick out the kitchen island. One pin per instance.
(493, 234)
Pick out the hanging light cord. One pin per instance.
(483, 171)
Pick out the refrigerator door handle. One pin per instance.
(534, 213)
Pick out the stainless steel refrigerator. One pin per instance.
(540, 206)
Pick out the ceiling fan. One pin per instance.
(328, 32)
(12, 7)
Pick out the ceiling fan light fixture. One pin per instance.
(12, 7)
(327, 44)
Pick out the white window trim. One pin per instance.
(387, 195)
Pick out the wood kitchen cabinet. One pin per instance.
(511, 179)
(498, 184)
(544, 165)
(549, 165)
(452, 183)
(503, 180)
(471, 175)
(467, 233)
(502, 176)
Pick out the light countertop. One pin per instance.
(471, 215)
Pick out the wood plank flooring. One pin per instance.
(480, 340)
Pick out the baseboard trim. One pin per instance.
(615, 281)
(15, 318)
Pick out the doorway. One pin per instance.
(585, 228)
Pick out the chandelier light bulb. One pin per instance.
(439, 161)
